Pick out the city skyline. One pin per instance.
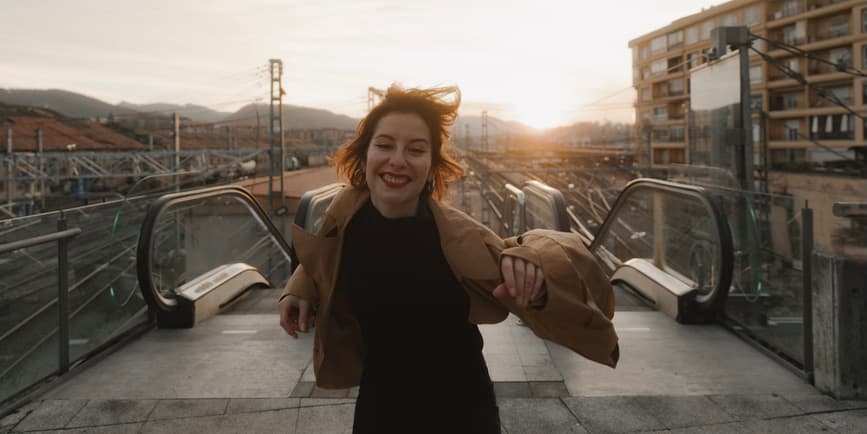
(543, 63)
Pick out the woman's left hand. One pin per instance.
(522, 281)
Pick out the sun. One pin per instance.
(538, 113)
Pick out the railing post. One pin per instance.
(62, 297)
(807, 285)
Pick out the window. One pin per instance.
(792, 64)
(756, 75)
(645, 94)
(863, 20)
(792, 130)
(634, 54)
(790, 7)
(660, 114)
(675, 86)
(677, 133)
(692, 34)
(657, 45)
(636, 74)
(706, 27)
(864, 57)
(839, 26)
(756, 102)
(675, 40)
(842, 93)
(693, 59)
(645, 73)
(729, 20)
(841, 56)
(752, 16)
(791, 100)
(658, 66)
(645, 52)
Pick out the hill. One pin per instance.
(71, 104)
(295, 117)
(195, 112)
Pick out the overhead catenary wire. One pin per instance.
(791, 49)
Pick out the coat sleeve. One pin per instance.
(580, 300)
(301, 285)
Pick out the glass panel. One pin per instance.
(630, 234)
(539, 213)
(103, 291)
(767, 294)
(195, 237)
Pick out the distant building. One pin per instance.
(797, 116)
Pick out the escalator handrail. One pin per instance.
(700, 193)
(145, 241)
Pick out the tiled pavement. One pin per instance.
(239, 373)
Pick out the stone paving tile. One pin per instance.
(783, 425)
(175, 408)
(280, 421)
(313, 402)
(823, 403)
(112, 411)
(512, 389)
(303, 389)
(250, 405)
(328, 393)
(51, 414)
(684, 411)
(853, 421)
(326, 419)
(763, 406)
(548, 389)
(124, 428)
(613, 414)
(17, 415)
(532, 416)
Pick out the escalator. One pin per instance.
(664, 245)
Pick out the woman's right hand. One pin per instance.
(295, 315)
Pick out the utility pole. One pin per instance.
(467, 136)
(372, 93)
(41, 164)
(10, 168)
(275, 133)
(485, 130)
(176, 141)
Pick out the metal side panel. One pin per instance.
(655, 284)
(206, 295)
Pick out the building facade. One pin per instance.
(823, 42)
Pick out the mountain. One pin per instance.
(195, 112)
(70, 104)
(496, 127)
(294, 117)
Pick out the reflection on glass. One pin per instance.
(539, 213)
(767, 295)
(104, 300)
(192, 238)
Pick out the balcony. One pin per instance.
(829, 33)
(785, 11)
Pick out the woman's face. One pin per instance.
(398, 163)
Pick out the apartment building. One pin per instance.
(796, 128)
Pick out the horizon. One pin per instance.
(541, 63)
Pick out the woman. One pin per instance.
(398, 281)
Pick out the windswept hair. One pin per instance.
(438, 113)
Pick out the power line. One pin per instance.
(791, 49)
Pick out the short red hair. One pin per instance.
(438, 114)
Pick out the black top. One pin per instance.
(422, 357)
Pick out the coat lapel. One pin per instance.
(464, 245)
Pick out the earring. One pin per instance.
(429, 186)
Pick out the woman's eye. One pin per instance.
(417, 151)
(383, 145)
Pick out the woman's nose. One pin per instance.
(397, 158)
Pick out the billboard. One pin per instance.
(714, 108)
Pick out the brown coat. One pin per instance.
(578, 312)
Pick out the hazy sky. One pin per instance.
(542, 62)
